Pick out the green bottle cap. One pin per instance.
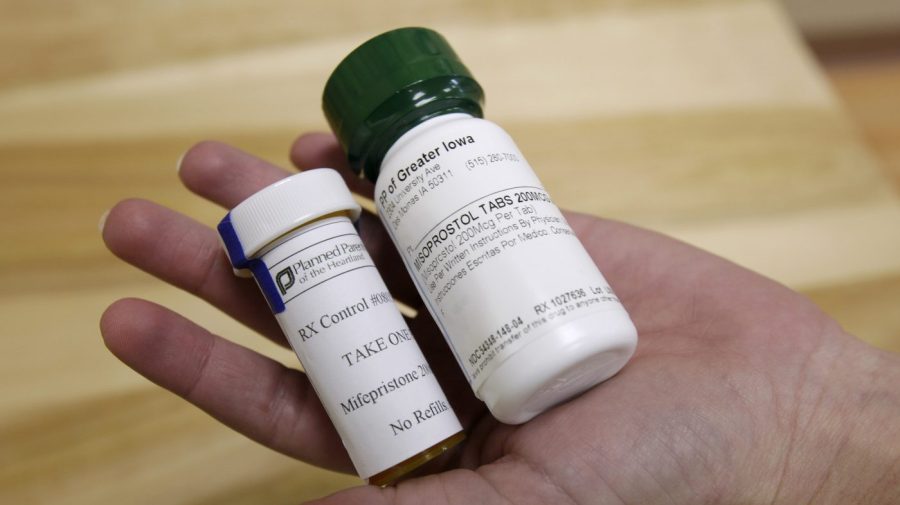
(390, 84)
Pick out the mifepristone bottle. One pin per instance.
(297, 239)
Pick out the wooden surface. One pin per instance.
(703, 119)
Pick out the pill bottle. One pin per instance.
(529, 317)
(298, 240)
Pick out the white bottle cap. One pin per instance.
(282, 207)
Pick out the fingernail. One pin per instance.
(102, 221)
(178, 163)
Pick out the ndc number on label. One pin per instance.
(509, 327)
(485, 348)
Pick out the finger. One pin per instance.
(321, 150)
(225, 175)
(186, 254)
(245, 390)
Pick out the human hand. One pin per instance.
(740, 391)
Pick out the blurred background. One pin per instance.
(768, 133)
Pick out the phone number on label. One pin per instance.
(487, 159)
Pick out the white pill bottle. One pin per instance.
(526, 312)
(297, 239)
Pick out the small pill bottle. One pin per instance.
(530, 318)
(298, 240)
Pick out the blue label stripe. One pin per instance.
(232, 242)
(267, 285)
(240, 261)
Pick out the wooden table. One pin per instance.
(705, 119)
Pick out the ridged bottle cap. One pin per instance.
(281, 207)
(390, 84)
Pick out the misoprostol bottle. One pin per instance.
(529, 317)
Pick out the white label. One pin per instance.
(357, 351)
(492, 256)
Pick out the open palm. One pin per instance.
(738, 391)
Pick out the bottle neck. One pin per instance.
(418, 129)
(406, 109)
